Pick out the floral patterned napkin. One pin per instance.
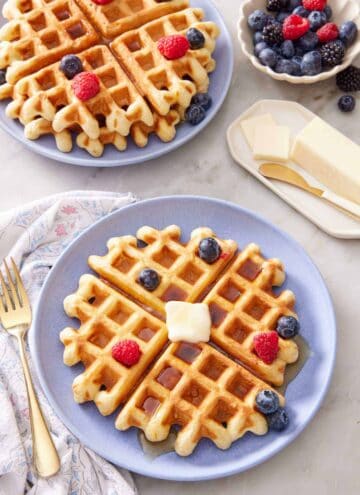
(35, 235)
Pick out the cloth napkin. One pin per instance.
(35, 235)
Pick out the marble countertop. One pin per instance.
(326, 457)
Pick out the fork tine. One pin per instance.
(6, 294)
(20, 285)
(2, 307)
(14, 294)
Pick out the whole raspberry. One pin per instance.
(266, 346)
(295, 26)
(85, 85)
(101, 2)
(173, 46)
(314, 4)
(328, 32)
(126, 352)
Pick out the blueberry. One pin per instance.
(257, 20)
(209, 250)
(348, 32)
(195, 114)
(308, 42)
(299, 52)
(311, 63)
(347, 103)
(292, 4)
(195, 38)
(328, 12)
(259, 47)
(287, 49)
(71, 65)
(301, 11)
(285, 66)
(287, 327)
(258, 37)
(2, 77)
(297, 65)
(149, 279)
(317, 19)
(268, 57)
(202, 99)
(278, 420)
(267, 402)
(282, 16)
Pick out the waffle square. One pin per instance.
(195, 387)
(184, 275)
(123, 15)
(41, 33)
(105, 317)
(168, 83)
(242, 303)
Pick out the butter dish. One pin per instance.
(295, 117)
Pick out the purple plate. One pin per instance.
(304, 394)
(219, 85)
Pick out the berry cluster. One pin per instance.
(298, 37)
(348, 81)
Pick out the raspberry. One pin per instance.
(85, 85)
(314, 4)
(328, 32)
(295, 26)
(266, 346)
(126, 352)
(101, 2)
(173, 46)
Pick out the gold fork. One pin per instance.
(15, 316)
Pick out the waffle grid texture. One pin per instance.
(201, 387)
(142, 93)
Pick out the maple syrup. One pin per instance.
(146, 334)
(169, 377)
(292, 370)
(150, 405)
(249, 270)
(156, 449)
(174, 293)
(187, 352)
(217, 314)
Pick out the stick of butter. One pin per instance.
(330, 157)
(248, 126)
(271, 142)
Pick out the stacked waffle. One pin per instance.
(201, 387)
(141, 91)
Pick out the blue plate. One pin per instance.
(219, 85)
(304, 394)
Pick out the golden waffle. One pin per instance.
(122, 15)
(106, 317)
(184, 276)
(41, 36)
(48, 94)
(166, 83)
(202, 391)
(163, 127)
(243, 304)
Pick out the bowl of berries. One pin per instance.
(300, 41)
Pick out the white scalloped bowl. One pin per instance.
(343, 10)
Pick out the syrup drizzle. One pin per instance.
(156, 449)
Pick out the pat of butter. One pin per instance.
(330, 157)
(271, 142)
(248, 126)
(188, 322)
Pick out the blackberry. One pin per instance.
(272, 33)
(332, 53)
(274, 5)
(349, 79)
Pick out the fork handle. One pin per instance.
(46, 459)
